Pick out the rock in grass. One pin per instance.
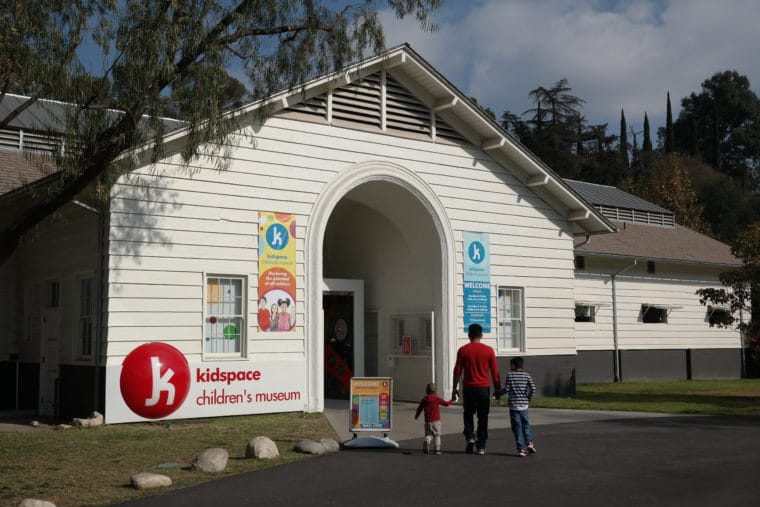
(261, 448)
(308, 446)
(95, 419)
(32, 502)
(330, 444)
(212, 460)
(146, 480)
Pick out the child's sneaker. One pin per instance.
(438, 452)
(482, 451)
(498, 394)
(531, 448)
(522, 453)
(470, 446)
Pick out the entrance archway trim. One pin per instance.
(340, 185)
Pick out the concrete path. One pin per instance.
(405, 427)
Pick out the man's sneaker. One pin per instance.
(498, 394)
(531, 448)
(470, 447)
(438, 452)
(522, 453)
(481, 450)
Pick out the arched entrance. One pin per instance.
(379, 225)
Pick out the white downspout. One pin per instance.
(615, 358)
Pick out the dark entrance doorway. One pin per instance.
(338, 310)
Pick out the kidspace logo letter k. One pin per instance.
(160, 383)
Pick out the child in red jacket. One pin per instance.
(430, 404)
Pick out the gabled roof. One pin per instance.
(678, 244)
(459, 112)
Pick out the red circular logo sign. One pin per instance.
(155, 380)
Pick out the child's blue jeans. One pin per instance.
(520, 423)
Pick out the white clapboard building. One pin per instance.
(355, 231)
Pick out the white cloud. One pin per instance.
(614, 54)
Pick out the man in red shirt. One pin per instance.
(474, 362)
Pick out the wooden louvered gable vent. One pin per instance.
(404, 113)
(358, 102)
(360, 105)
(26, 140)
(638, 216)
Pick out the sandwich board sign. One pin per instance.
(371, 410)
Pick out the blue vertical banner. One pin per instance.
(477, 280)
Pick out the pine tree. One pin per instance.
(624, 141)
(647, 143)
(669, 139)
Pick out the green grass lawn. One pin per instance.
(709, 397)
(93, 466)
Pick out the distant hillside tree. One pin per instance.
(722, 123)
(646, 144)
(669, 138)
(623, 145)
(665, 181)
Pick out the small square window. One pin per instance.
(585, 313)
(580, 262)
(654, 314)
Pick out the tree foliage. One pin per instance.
(665, 181)
(740, 295)
(722, 124)
(160, 58)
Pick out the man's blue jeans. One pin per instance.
(476, 400)
(518, 420)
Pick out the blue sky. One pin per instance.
(615, 54)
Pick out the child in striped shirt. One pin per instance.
(520, 388)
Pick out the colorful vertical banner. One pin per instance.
(277, 272)
(477, 280)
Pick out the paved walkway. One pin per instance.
(584, 458)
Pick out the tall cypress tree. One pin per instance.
(646, 145)
(624, 141)
(669, 139)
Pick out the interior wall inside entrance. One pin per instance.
(382, 234)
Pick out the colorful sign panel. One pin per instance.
(371, 403)
(277, 272)
(155, 381)
(477, 280)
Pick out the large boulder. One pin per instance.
(212, 460)
(261, 448)
(32, 502)
(147, 480)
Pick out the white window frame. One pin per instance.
(80, 352)
(505, 345)
(243, 316)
